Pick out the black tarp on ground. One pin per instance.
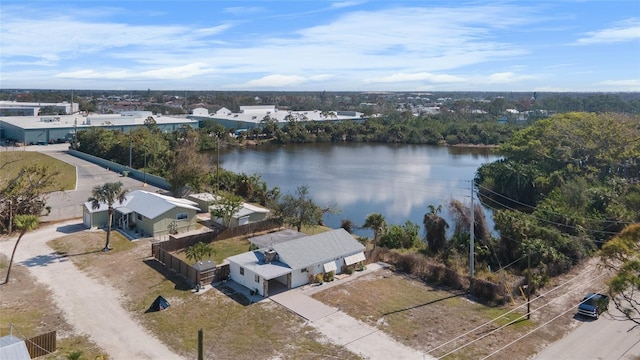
(159, 303)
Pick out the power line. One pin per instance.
(544, 220)
(509, 312)
(547, 211)
(532, 331)
(514, 321)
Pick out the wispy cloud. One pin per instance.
(422, 76)
(507, 77)
(627, 30)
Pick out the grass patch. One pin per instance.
(78, 245)
(222, 249)
(11, 162)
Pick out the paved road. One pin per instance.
(605, 338)
(91, 308)
(68, 204)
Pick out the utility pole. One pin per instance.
(529, 285)
(472, 235)
(200, 345)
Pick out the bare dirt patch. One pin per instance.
(429, 319)
(232, 329)
(29, 306)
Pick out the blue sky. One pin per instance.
(321, 45)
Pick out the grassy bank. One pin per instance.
(11, 162)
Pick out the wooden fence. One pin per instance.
(191, 274)
(41, 345)
(176, 243)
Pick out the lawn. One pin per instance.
(11, 162)
(232, 328)
(222, 249)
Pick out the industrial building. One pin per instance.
(251, 116)
(32, 130)
(14, 108)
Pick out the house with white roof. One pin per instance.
(248, 213)
(147, 213)
(293, 263)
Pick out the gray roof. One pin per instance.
(13, 348)
(254, 261)
(316, 249)
(147, 204)
(204, 265)
(266, 240)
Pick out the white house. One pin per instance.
(293, 263)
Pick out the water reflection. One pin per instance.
(398, 181)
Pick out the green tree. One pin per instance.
(401, 237)
(25, 194)
(622, 255)
(109, 194)
(435, 229)
(186, 169)
(377, 224)
(198, 251)
(24, 223)
(300, 209)
(225, 207)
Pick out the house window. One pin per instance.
(303, 270)
(257, 278)
(241, 271)
(139, 217)
(182, 216)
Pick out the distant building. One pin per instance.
(251, 116)
(14, 108)
(60, 128)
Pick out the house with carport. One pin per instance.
(145, 213)
(293, 263)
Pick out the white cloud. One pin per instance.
(628, 30)
(629, 85)
(279, 81)
(178, 72)
(507, 77)
(422, 76)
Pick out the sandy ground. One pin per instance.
(91, 308)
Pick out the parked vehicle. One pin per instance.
(593, 304)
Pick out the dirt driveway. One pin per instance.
(91, 308)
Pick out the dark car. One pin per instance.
(593, 305)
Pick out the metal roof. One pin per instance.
(147, 204)
(254, 261)
(266, 240)
(316, 249)
(13, 348)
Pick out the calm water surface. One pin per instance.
(397, 181)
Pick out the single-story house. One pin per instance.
(147, 213)
(293, 263)
(248, 213)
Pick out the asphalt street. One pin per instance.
(68, 204)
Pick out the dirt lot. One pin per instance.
(232, 328)
(28, 305)
(431, 319)
(415, 314)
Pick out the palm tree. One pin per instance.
(108, 193)
(436, 228)
(23, 223)
(378, 224)
(198, 251)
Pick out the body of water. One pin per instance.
(397, 181)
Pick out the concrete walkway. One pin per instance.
(90, 308)
(340, 328)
